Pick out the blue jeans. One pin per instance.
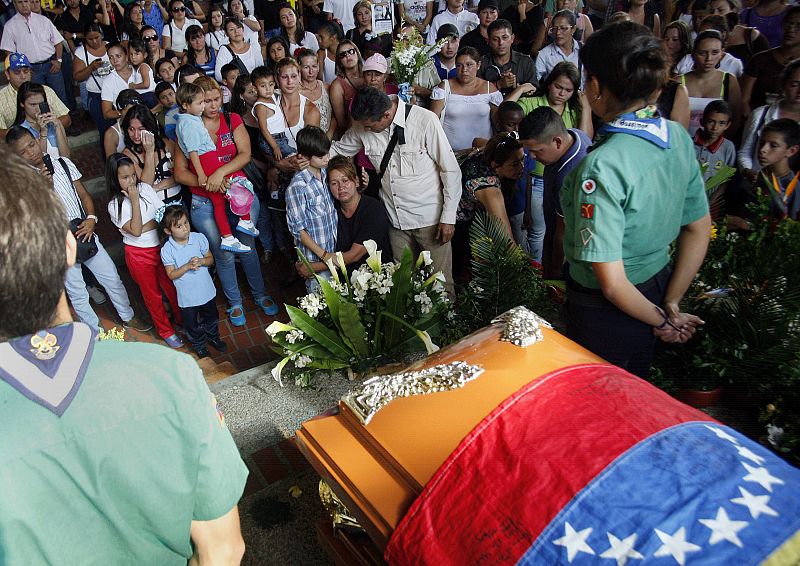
(43, 76)
(537, 227)
(264, 226)
(203, 220)
(96, 112)
(106, 274)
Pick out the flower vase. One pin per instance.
(404, 93)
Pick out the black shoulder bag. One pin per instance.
(238, 62)
(398, 131)
(86, 250)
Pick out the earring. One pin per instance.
(596, 98)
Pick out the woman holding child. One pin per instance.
(622, 288)
(233, 150)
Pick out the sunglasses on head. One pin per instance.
(346, 52)
(150, 38)
(179, 9)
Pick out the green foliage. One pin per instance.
(503, 277)
(376, 314)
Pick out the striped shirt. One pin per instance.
(309, 207)
(64, 189)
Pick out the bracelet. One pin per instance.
(91, 217)
(666, 322)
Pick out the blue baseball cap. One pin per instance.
(16, 61)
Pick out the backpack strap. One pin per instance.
(396, 134)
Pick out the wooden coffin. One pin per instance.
(380, 468)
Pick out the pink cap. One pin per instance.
(376, 63)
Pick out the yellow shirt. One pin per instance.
(8, 105)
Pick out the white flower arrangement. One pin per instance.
(356, 321)
(410, 54)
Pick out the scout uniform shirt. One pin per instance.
(629, 198)
(109, 451)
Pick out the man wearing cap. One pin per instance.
(18, 71)
(479, 37)
(503, 66)
(420, 177)
(112, 452)
(464, 20)
(37, 38)
(445, 60)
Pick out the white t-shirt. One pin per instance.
(309, 42)
(112, 86)
(251, 58)
(342, 10)
(178, 35)
(136, 77)
(416, 9)
(251, 35)
(217, 39)
(84, 55)
(148, 204)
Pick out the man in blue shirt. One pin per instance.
(445, 60)
(543, 134)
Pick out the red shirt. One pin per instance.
(226, 146)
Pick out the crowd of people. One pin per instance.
(264, 127)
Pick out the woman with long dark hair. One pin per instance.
(150, 152)
(637, 191)
(348, 80)
(247, 56)
(132, 23)
(44, 127)
(91, 66)
(293, 32)
(132, 206)
(216, 37)
(198, 53)
(252, 29)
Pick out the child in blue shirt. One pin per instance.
(186, 258)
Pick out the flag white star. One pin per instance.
(722, 528)
(622, 550)
(761, 476)
(757, 504)
(750, 455)
(574, 541)
(722, 434)
(675, 545)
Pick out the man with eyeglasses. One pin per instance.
(38, 39)
(503, 66)
(420, 177)
(479, 37)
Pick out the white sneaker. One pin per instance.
(96, 295)
(231, 244)
(247, 227)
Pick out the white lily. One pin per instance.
(340, 262)
(438, 276)
(276, 371)
(276, 327)
(374, 255)
(426, 339)
(333, 270)
(361, 279)
(424, 258)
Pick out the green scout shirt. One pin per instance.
(118, 478)
(628, 200)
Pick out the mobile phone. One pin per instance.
(48, 162)
(44, 108)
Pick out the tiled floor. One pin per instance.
(248, 346)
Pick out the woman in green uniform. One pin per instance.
(631, 197)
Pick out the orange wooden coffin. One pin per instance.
(380, 468)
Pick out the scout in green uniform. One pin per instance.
(631, 197)
(111, 452)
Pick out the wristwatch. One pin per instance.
(91, 217)
(59, 60)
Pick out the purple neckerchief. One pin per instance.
(645, 123)
(48, 367)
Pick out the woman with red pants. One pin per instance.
(132, 206)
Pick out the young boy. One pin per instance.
(229, 72)
(310, 214)
(165, 93)
(186, 258)
(779, 142)
(710, 145)
(543, 133)
(78, 204)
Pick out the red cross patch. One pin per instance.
(587, 210)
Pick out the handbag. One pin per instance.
(238, 62)
(250, 170)
(86, 250)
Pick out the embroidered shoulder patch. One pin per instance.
(589, 186)
(587, 210)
